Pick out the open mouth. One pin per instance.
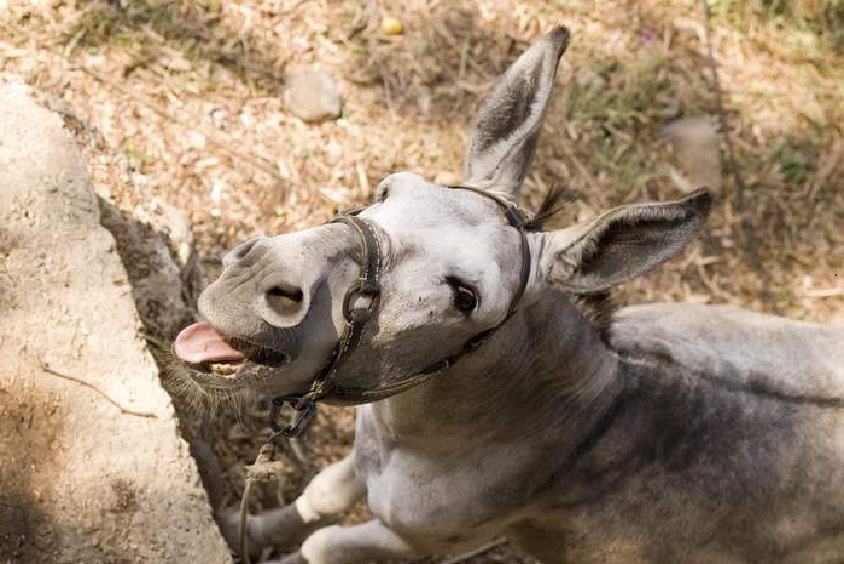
(218, 361)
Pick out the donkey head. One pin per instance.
(450, 263)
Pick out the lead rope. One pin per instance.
(258, 472)
(265, 468)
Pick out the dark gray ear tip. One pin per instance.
(560, 36)
(701, 201)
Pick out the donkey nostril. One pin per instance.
(285, 300)
(294, 294)
(239, 253)
(242, 250)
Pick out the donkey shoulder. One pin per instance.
(779, 355)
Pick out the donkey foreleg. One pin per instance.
(332, 491)
(357, 544)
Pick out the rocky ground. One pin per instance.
(93, 466)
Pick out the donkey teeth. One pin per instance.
(224, 369)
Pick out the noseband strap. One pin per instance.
(361, 302)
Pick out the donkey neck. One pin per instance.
(545, 373)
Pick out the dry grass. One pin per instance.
(190, 92)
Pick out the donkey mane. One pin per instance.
(598, 309)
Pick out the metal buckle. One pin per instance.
(299, 402)
(361, 313)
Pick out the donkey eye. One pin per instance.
(465, 297)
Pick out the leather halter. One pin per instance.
(367, 290)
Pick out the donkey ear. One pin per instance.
(622, 244)
(508, 122)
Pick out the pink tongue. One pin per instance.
(200, 342)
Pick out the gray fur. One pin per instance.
(684, 434)
(507, 127)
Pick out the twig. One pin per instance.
(827, 166)
(471, 554)
(243, 536)
(738, 200)
(290, 9)
(359, 24)
(128, 411)
(824, 293)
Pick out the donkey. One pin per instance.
(499, 398)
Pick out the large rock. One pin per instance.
(697, 153)
(92, 466)
(312, 96)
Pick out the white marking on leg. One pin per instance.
(306, 510)
(315, 547)
(332, 491)
(356, 544)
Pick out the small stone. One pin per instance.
(698, 157)
(391, 25)
(312, 96)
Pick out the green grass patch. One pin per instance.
(103, 24)
(794, 164)
(821, 19)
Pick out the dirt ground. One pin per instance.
(192, 93)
